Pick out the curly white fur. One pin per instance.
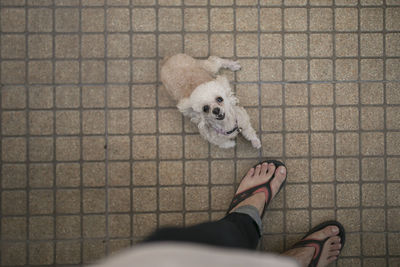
(192, 83)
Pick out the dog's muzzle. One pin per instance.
(220, 117)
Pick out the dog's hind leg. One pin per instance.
(213, 64)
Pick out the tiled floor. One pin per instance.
(94, 156)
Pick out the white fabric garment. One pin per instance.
(174, 254)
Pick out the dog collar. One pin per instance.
(236, 128)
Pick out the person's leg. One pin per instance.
(241, 227)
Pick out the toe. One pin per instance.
(257, 170)
(331, 259)
(264, 168)
(329, 231)
(280, 176)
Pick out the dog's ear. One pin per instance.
(185, 106)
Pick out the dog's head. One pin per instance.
(211, 102)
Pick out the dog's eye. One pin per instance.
(219, 99)
(206, 108)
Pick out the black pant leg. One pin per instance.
(235, 230)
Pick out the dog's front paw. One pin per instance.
(234, 65)
(256, 143)
(227, 144)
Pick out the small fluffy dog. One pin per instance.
(208, 99)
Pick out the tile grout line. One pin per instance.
(209, 157)
(183, 187)
(131, 161)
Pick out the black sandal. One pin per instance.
(265, 187)
(319, 244)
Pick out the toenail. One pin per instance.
(335, 230)
(282, 171)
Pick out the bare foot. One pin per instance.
(330, 250)
(259, 175)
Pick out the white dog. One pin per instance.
(206, 99)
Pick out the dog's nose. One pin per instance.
(216, 111)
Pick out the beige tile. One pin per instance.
(392, 49)
(393, 216)
(391, 66)
(119, 225)
(196, 19)
(144, 173)
(392, 143)
(292, 218)
(67, 122)
(247, 94)
(196, 172)
(373, 220)
(296, 94)
(39, 20)
(321, 119)
(94, 174)
(40, 175)
(93, 250)
(271, 119)
(143, 95)
(13, 149)
(118, 45)
(13, 19)
(169, 44)
(93, 122)
(144, 71)
(67, 71)
(373, 195)
(14, 202)
(169, 19)
(299, 172)
(171, 198)
(371, 93)
(221, 197)
(346, 19)
(249, 71)
(295, 19)
(195, 2)
(246, 19)
(295, 45)
(40, 71)
(322, 195)
(169, 121)
(350, 218)
(346, 94)
(321, 45)
(119, 199)
(194, 218)
(171, 219)
(347, 144)
(296, 144)
(13, 46)
(196, 198)
(322, 170)
(13, 253)
(13, 176)
(371, 19)
(221, 19)
(92, 71)
(272, 144)
(116, 246)
(372, 118)
(67, 96)
(143, 19)
(118, 19)
(144, 224)
(270, 19)
(296, 70)
(270, 45)
(68, 252)
(274, 222)
(93, 96)
(67, 201)
(144, 147)
(41, 97)
(371, 44)
(13, 123)
(296, 119)
(371, 2)
(393, 118)
(393, 169)
(67, 20)
(246, 45)
(170, 172)
(144, 45)
(13, 97)
(92, 46)
(40, 202)
(320, 216)
(170, 2)
(347, 169)
(118, 71)
(196, 44)
(68, 174)
(371, 69)
(271, 94)
(68, 227)
(346, 69)
(222, 172)
(67, 46)
(67, 149)
(170, 146)
(321, 69)
(41, 227)
(14, 228)
(347, 118)
(393, 244)
(373, 169)
(346, 45)
(297, 196)
(374, 244)
(321, 19)
(118, 147)
(92, 19)
(13, 72)
(119, 173)
(118, 122)
(41, 149)
(144, 199)
(322, 144)
(347, 195)
(372, 143)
